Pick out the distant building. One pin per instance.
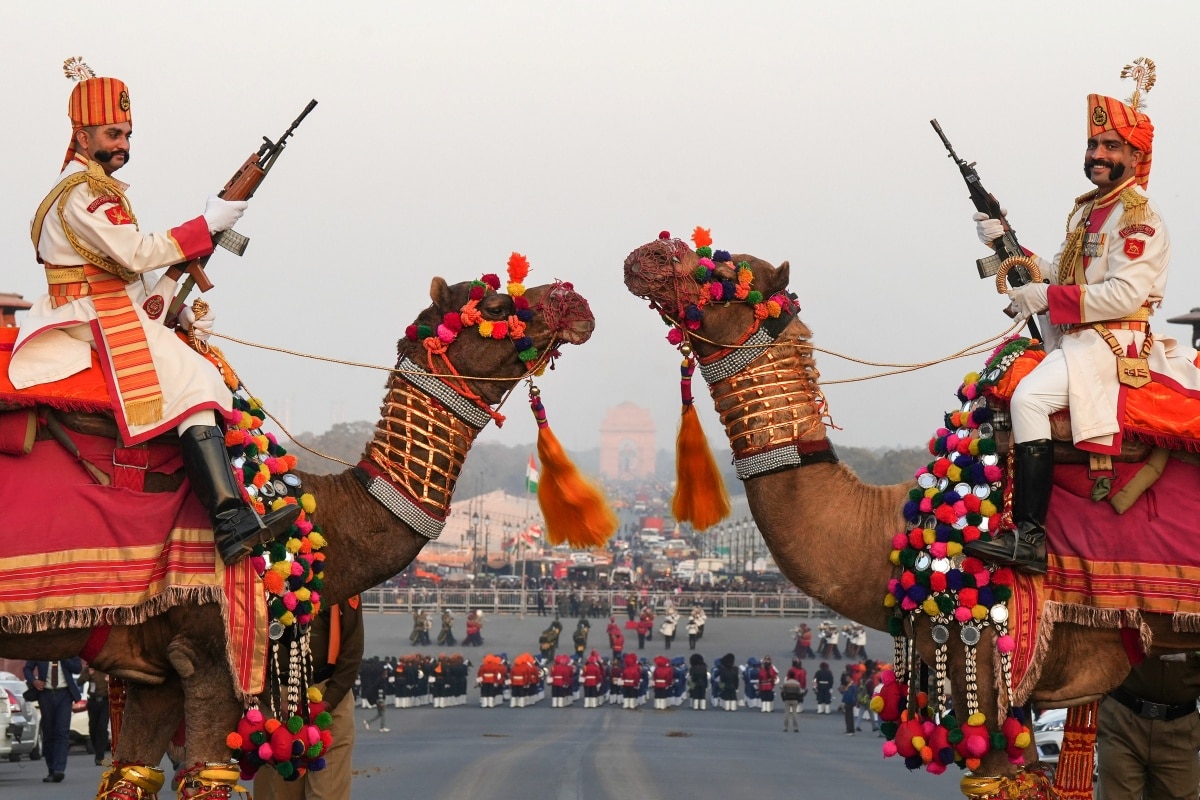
(10, 304)
(627, 443)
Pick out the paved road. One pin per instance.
(594, 754)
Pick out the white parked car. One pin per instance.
(1048, 736)
(20, 721)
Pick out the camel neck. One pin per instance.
(420, 444)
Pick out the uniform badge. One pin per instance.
(101, 201)
(1135, 247)
(153, 306)
(1099, 116)
(117, 215)
(123, 100)
(1139, 228)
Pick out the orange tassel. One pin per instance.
(700, 494)
(573, 508)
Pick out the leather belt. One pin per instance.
(1150, 710)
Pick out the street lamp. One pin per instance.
(487, 533)
(474, 534)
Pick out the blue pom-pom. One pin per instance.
(911, 510)
(295, 582)
(917, 593)
(913, 762)
(317, 764)
(524, 343)
(986, 598)
(720, 256)
(693, 313)
(954, 580)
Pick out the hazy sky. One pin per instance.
(449, 134)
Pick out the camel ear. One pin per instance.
(780, 278)
(439, 292)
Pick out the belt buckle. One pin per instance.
(1153, 710)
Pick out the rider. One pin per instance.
(95, 257)
(1104, 283)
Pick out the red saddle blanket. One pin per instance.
(83, 391)
(80, 555)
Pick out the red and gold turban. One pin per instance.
(1110, 114)
(94, 101)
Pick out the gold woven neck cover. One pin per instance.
(420, 445)
(773, 402)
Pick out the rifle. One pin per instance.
(985, 202)
(240, 187)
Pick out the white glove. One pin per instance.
(1029, 299)
(200, 326)
(987, 229)
(221, 215)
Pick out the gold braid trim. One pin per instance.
(1070, 264)
(1022, 786)
(98, 184)
(130, 782)
(1137, 208)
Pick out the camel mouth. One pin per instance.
(566, 313)
(653, 271)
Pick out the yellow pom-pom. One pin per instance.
(918, 742)
(929, 536)
(971, 377)
(954, 473)
(987, 508)
(931, 491)
(953, 549)
(303, 593)
(278, 503)
(246, 421)
(930, 607)
(255, 403)
(976, 719)
(292, 546)
(318, 541)
(284, 568)
(877, 701)
(974, 447)
(314, 694)
(1022, 739)
(979, 612)
(516, 289)
(895, 557)
(889, 601)
(308, 503)
(486, 326)
(287, 618)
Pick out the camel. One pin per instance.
(176, 662)
(813, 516)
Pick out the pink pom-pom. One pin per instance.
(297, 568)
(952, 442)
(254, 716)
(977, 746)
(992, 473)
(936, 767)
(304, 526)
(315, 597)
(938, 549)
(907, 604)
(289, 601)
(692, 324)
(889, 749)
(983, 578)
(445, 334)
(264, 751)
(716, 291)
(304, 619)
(259, 564)
(926, 504)
(899, 541)
(893, 585)
(970, 391)
(674, 336)
(707, 262)
(1006, 644)
(962, 614)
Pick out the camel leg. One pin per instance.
(158, 710)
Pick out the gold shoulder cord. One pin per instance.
(98, 184)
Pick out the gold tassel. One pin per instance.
(1137, 209)
(574, 509)
(700, 494)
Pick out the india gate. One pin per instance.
(627, 443)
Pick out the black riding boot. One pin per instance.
(1025, 547)
(237, 527)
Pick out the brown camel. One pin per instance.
(813, 517)
(176, 662)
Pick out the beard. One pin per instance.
(1115, 171)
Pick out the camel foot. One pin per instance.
(130, 782)
(217, 781)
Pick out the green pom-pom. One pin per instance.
(974, 518)
(252, 452)
(704, 252)
(278, 609)
(955, 736)
(314, 751)
(915, 494)
(528, 355)
(258, 737)
(888, 729)
(945, 603)
(895, 626)
(908, 557)
(285, 769)
(950, 722)
(294, 724)
(424, 331)
(987, 446)
(317, 583)
(278, 552)
(323, 720)
(754, 297)
(1001, 593)
(998, 741)
(700, 274)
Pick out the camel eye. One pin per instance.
(496, 307)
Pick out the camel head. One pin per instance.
(671, 275)
(483, 333)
